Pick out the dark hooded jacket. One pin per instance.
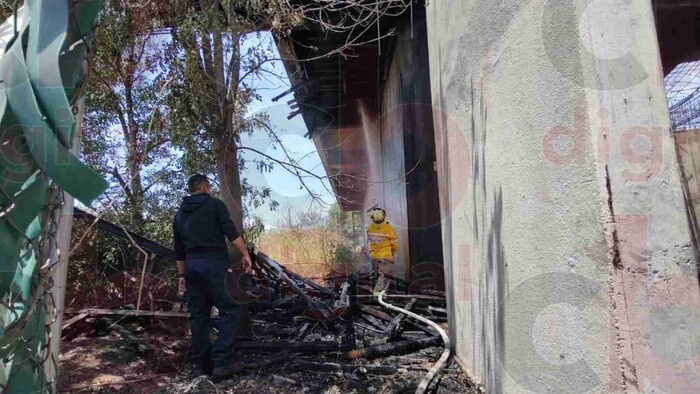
(201, 226)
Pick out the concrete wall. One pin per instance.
(567, 249)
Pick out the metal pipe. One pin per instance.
(438, 367)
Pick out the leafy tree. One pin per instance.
(6, 8)
(253, 230)
(215, 78)
(125, 128)
(210, 99)
(342, 220)
(172, 86)
(126, 135)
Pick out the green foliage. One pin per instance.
(341, 220)
(125, 131)
(162, 103)
(253, 230)
(343, 255)
(170, 95)
(6, 8)
(216, 80)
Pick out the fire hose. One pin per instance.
(440, 364)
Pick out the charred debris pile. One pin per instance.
(298, 324)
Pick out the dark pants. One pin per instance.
(206, 286)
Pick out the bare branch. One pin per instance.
(122, 184)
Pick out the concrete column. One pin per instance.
(567, 247)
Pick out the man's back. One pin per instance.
(200, 230)
(201, 226)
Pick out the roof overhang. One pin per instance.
(678, 29)
(331, 89)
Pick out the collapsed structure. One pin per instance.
(298, 325)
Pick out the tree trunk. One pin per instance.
(133, 158)
(232, 196)
(230, 182)
(225, 145)
(136, 186)
(136, 204)
(226, 152)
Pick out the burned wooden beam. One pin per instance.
(281, 380)
(393, 348)
(292, 89)
(275, 331)
(374, 312)
(303, 332)
(284, 355)
(377, 322)
(426, 329)
(435, 309)
(312, 284)
(349, 368)
(318, 310)
(74, 320)
(393, 330)
(366, 288)
(437, 319)
(434, 292)
(293, 114)
(403, 296)
(299, 347)
(127, 312)
(374, 323)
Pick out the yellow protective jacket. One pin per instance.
(382, 241)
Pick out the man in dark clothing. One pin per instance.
(200, 230)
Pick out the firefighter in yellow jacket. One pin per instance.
(383, 244)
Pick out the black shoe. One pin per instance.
(221, 373)
(199, 370)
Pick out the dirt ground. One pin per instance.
(96, 359)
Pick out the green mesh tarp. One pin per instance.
(43, 48)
